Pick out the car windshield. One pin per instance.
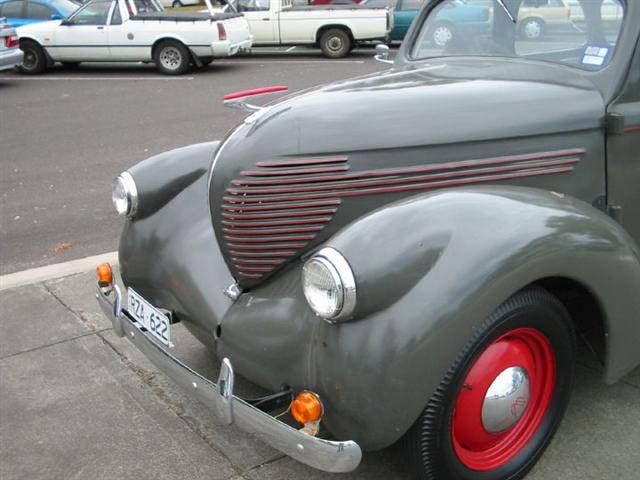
(66, 6)
(580, 33)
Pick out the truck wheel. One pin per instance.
(532, 29)
(335, 43)
(171, 57)
(502, 400)
(35, 60)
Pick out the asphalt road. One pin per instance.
(64, 136)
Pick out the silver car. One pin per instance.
(10, 53)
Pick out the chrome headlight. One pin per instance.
(329, 285)
(125, 195)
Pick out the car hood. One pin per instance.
(273, 179)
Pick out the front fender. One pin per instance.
(431, 268)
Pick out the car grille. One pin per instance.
(274, 211)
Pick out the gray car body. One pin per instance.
(430, 264)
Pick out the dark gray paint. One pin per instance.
(429, 267)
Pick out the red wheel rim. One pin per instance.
(528, 350)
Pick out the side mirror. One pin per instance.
(382, 54)
(55, 16)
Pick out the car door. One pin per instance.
(124, 42)
(262, 16)
(623, 160)
(405, 12)
(15, 11)
(83, 37)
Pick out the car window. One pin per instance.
(253, 5)
(116, 17)
(583, 34)
(411, 4)
(12, 9)
(40, 11)
(65, 6)
(94, 13)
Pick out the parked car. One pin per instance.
(612, 11)
(10, 54)
(538, 16)
(134, 31)
(178, 3)
(24, 12)
(412, 254)
(336, 29)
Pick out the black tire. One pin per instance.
(532, 29)
(71, 64)
(442, 34)
(335, 43)
(35, 60)
(176, 4)
(430, 443)
(171, 57)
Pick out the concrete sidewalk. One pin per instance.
(78, 402)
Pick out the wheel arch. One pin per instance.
(339, 26)
(437, 265)
(164, 38)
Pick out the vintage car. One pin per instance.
(410, 255)
(134, 31)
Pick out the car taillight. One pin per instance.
(11, 41)
(222, 33)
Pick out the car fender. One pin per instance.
(430, 269)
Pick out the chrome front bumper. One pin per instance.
(330, 456)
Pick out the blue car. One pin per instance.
(452, 18)
(24, 12)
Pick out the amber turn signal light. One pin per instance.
(306, 407)
(105, 277)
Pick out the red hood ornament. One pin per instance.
(236, 99)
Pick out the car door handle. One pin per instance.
(266, 19)
(100, 28)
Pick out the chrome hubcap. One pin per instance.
(442, 36)
(335, 44)
(506, 400)
(170, 58)
(532, 30)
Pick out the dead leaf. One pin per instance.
(62, 246)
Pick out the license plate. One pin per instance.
(150, 317)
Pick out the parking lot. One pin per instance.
(78, 402)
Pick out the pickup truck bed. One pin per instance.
(184, 16)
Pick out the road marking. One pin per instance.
(52, 78)
(58, 270)
(268, 61)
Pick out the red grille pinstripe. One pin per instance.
(273, 212)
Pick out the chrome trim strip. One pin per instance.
(326, 455)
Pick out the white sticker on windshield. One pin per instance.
(595, 56)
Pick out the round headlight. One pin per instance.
(329, 285)
(125, 195)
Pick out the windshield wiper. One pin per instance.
(506, 10)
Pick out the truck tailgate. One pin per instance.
(237, 29)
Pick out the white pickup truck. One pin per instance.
(336, 29)
(134, 31)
